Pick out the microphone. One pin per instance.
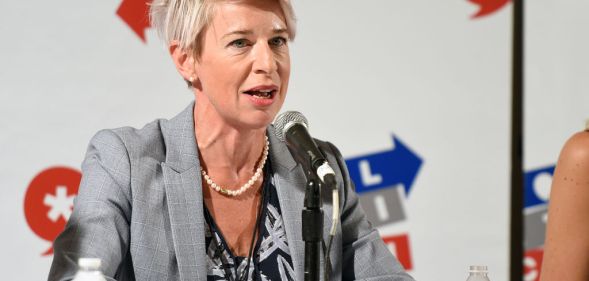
(291, 127)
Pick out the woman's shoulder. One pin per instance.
(576, 150)
(134, 143)
(151, 137)
(572, 170)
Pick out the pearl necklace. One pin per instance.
(247, 185)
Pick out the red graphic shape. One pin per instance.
(47, 188)
(533, 264)
(487, 7)
(399, 245)
(135, 13)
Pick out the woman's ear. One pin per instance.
(184, 61)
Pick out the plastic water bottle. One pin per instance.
(477, 273)
(89, 270)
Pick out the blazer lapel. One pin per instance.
(183, 187)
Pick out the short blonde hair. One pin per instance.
(185, 20)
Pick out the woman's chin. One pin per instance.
(257, 124)
(251, 121)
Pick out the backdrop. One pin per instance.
(421, 91)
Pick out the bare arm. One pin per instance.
(566, 251)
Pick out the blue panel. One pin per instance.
(530, 196)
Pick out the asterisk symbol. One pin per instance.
(61, 204)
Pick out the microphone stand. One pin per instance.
(312, 218)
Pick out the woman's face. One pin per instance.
(244, 66)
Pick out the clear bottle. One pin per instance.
(89, 270)
(477, 273)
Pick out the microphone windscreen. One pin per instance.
(285, 120)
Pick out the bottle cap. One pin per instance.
(477, 268)
(89, 263)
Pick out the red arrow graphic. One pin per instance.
(487, 7)
(135, 14)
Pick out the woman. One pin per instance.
(566, 251)
(211, 194)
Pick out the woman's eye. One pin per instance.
(278, 41)
(239, 43)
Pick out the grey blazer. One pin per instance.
(140, 209)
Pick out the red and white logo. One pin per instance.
(49, 201)
(533, 264)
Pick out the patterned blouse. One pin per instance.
(271, 259)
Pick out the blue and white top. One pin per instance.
(271, 260)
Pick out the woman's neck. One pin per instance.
(223, 146)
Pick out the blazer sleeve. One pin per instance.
(365, 255)
(99, 224)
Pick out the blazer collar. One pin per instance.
(281, 157)
(180, 141)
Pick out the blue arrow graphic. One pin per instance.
(385, 169)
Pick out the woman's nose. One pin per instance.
(264, 59)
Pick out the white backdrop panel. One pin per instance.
(422, 71)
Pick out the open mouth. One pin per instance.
(261, 94)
